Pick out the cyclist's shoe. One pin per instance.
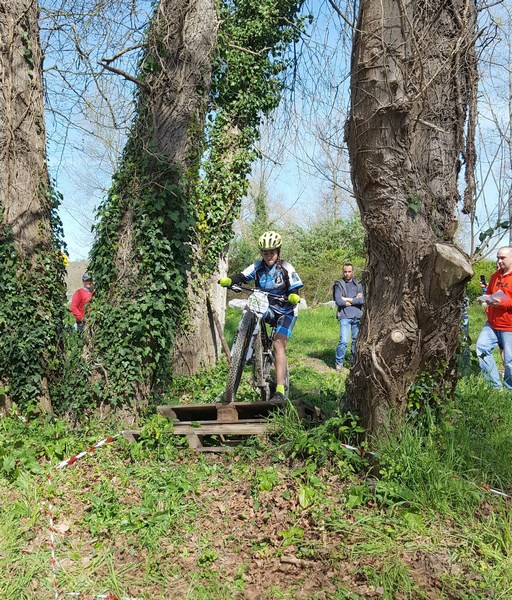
(278, 398)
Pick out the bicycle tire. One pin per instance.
(262, 364)
(238, 354)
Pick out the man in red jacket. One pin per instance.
(498, 329)
(80, 298)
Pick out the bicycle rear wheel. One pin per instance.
(263, 362)
(264, 371)
(238, 354)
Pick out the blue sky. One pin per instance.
(82, 166)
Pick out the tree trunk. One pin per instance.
(413, 76)
(178, 117)
(144, 257)
(198, 343)
(31, 276)
(23, 172)
(182, 38)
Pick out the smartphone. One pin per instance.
(482, 280)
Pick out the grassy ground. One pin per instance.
(295, 515)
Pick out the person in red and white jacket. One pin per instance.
(79, 300)
(498, 329)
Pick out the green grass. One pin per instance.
(153, 520)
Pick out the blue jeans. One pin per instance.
(487, 341)
(346, 327)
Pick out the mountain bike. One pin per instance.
(253, 345)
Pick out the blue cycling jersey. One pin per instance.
(279, 280)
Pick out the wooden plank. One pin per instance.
(131, 434)
(238, 428)
(216, 449)
(194, 441)
(235, 419)
(218, 412)
(194, 423)
(166, 411)
(200, 407)
(227, 413)
(249, 427)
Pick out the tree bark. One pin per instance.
(23, 171)
(198, 344)
(178, 116)
(181, 38)
(412, 77)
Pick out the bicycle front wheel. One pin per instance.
(238, 354)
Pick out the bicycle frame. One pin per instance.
(253, 344)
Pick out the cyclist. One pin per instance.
(274, 275)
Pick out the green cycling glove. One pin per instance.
(293, 298)
(225, 281)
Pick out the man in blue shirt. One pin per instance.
(349, 297)
(274, 275)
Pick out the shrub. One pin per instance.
(484, 267)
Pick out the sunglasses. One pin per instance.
(268, 252)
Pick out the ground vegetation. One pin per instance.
(295, 515)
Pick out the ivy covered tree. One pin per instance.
(32, 288)
(142, 249)
(168, 217)
(248, 78)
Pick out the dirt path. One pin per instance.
(317, 364)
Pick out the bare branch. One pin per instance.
(260, 53)
(121, 53)
(340, 14)
(124, 74)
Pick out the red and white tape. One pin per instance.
(61, 465)
(109, 596)
(362, 451)
(481, 486)
(73, 459)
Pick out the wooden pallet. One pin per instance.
(229, 422)
(221, 413)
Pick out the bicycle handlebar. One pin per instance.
(240, 288)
